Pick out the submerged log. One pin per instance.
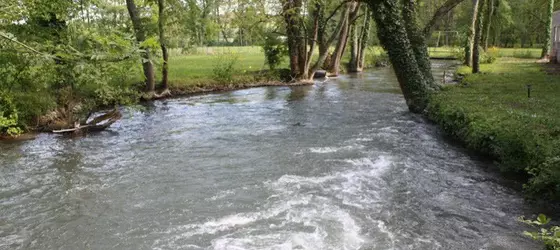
(98, 123)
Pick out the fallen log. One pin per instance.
(98, 123)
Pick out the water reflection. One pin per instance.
(298, 93)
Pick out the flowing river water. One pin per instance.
(338, 165)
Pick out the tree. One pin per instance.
(358, 44)
(140, 34)
(392, 34)
(547, 35)
(345, 22)
(163, 44)
(469, 49)
(437, 17)
(291, 11)
(477, 38)
(302, 41)
(417, 41)
(490, 4)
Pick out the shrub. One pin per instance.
(490, 56)
(459, 53)
(224, 68)
(275, 51)
(9, 120)
(376, 57)
(549, 235)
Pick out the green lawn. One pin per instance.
(492, 114)
(198, 65)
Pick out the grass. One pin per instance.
(492, 114)
(195, 68)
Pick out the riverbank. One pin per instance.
(492, 114)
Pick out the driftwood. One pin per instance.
(98, 123)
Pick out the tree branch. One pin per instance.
(440, 12)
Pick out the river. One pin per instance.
(338, 165)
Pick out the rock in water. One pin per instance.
(320, 74)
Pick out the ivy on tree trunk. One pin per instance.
(392, 34)
(547, 35)
(418, 42)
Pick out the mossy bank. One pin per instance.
(492, 113)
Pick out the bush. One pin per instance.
(459, 53)
(376, 57)
(275, 51)
(486, 57)
(224, 68)
(9, 120)
(549, 235)
(490, 56)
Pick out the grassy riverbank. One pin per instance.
(492, 114)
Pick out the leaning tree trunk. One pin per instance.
(163, 44)
(470, 37)
(547, 39)
(393, 37)
(445, 8)
(140, 34)
(418, 42)
(334, 67)
(477, 37)
(487, 23)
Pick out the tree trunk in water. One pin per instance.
(487, 23)
(354, 49)
(364, 39)
(477, 37)
(162, 42)
(393, 36)
(358, 44)
(418, 42)
(470, 39)
(140, 34)
(547, 39)
(334, 67)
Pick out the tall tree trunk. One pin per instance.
(547, 35)
(324, 42)
(364, 39)
(334, 67)
(470, 35)
(163, 44)
(291, 13)
(393, 37)
(346, 22)
(140, 34)
(477, 37)
(487, 23)
(418, 42)
(354, 49)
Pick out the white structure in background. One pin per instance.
(555, 50)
